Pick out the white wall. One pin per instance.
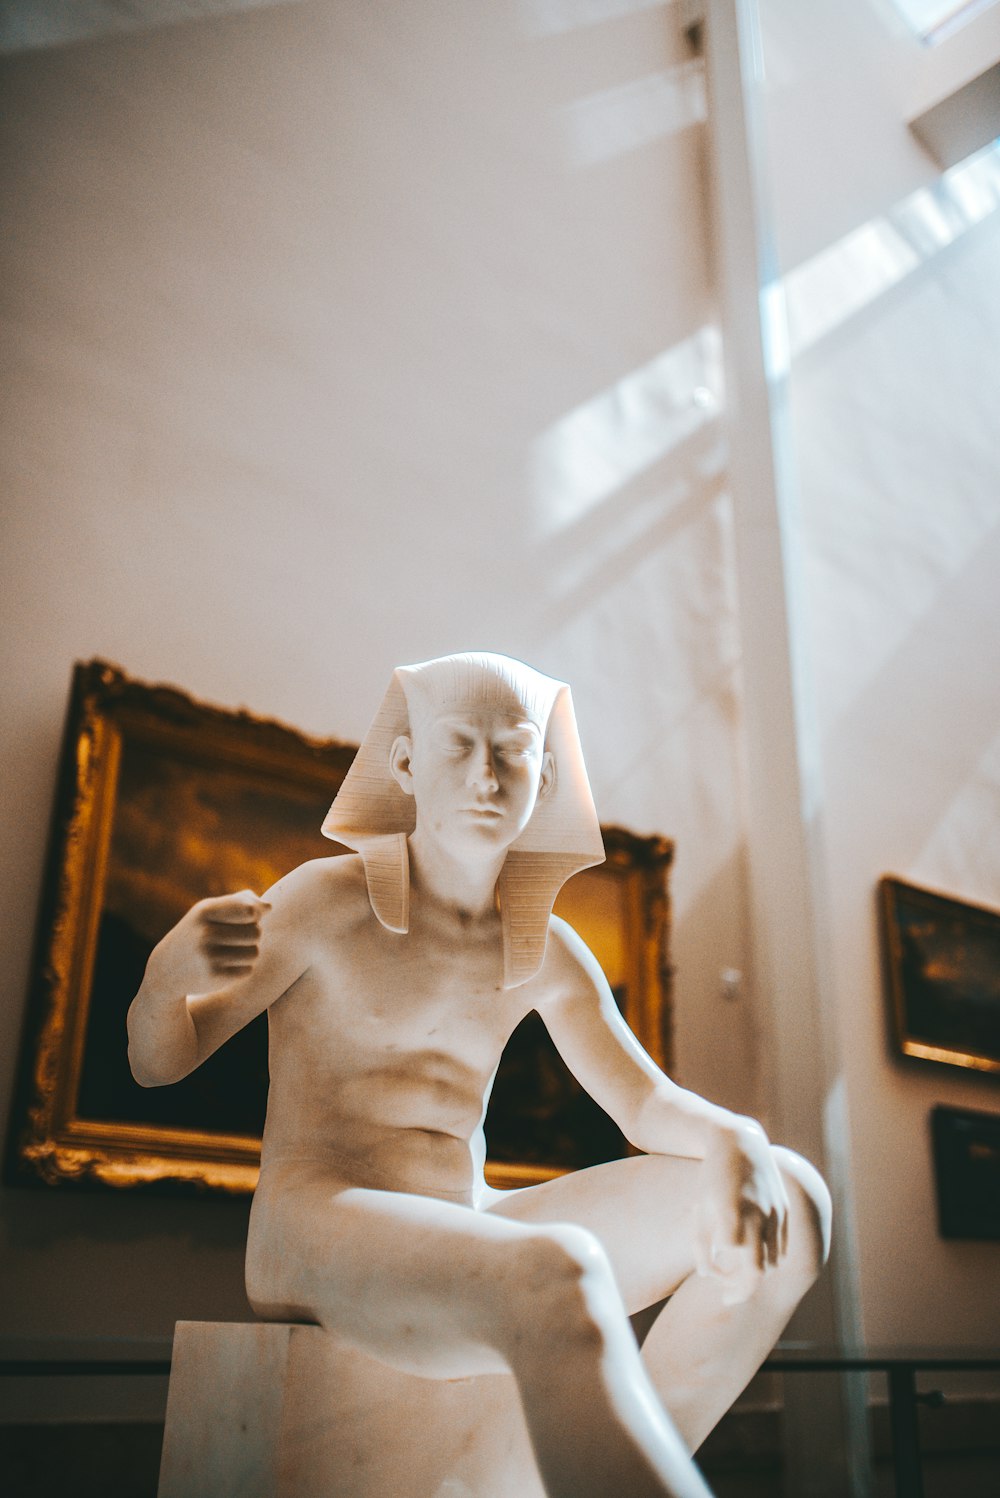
(895, 304)
(337, 336)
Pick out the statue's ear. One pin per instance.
(400, 756)
(547, 778)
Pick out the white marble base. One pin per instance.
(270, 1410)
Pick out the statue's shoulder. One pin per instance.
(321, 880)
(563, 937)
(569, 963)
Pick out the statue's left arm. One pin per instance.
(745, 1203)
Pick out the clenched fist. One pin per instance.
(218, 940)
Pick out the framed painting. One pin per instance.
(943, 971)
(163, 800)
(967, 1172)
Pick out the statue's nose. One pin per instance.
(483, 772)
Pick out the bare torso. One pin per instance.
(383, 1052)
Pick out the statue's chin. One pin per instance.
(473, 830)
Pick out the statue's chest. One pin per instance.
(431, 963)
(402, 993)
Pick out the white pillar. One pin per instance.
(826, 1428)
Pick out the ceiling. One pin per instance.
(27, 25)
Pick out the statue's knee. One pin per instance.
(810, 1210)
(566, 1288)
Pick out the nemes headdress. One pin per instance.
(374, 816)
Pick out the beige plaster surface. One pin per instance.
(286, 1411)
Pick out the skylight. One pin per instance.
(933, 20)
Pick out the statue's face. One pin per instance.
(476, 775)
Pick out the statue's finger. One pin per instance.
(760, 1246)
(229, 933)
(234, 909)
(752, 1234)
(768, 1241)
(232, 951)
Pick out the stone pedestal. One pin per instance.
(269, 1410)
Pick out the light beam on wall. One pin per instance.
(620, 119)
(596, 449)
(840, 281)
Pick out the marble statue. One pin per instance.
(392, 978)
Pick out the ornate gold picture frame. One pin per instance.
(943, 969)
(163, 800)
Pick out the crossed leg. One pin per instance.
(445, 1291)
(701, 1352)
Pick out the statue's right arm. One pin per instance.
(224, 963)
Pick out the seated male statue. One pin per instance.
(393, 978)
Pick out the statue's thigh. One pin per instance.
(421, 1284)
(642, 1210)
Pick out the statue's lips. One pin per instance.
(488, 813)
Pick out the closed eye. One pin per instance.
(516, 748)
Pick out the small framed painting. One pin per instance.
(967, 1172)
(943, 969)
